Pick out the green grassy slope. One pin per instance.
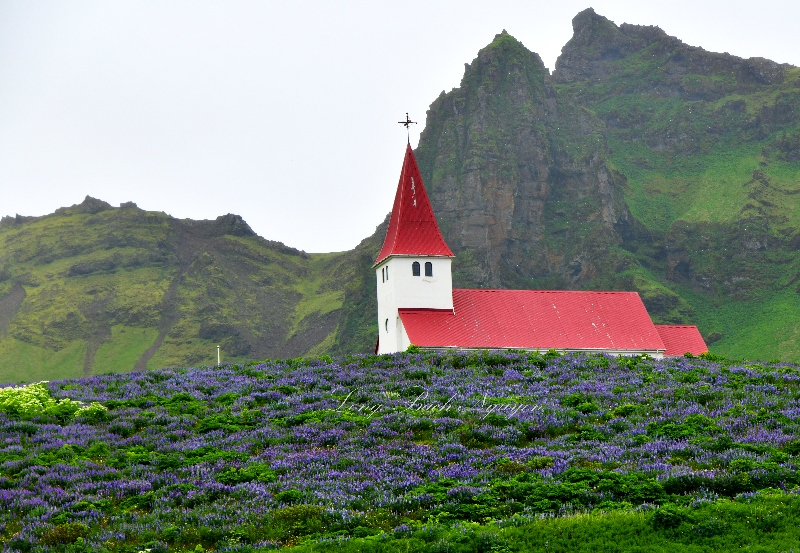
(92, 289)
(710, 148)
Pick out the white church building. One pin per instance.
(418, 305)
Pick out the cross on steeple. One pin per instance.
(407, 124)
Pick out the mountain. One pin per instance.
(93, 288)
(640, 163)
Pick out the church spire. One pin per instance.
(412, 227)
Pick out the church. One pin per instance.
(418, 305)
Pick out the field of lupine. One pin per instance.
(382, 449)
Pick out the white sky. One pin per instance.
(282, 112)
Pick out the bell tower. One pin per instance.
(413, 266)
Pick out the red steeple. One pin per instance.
(412, 227)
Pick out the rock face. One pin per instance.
(704, 139)
(597, 43)
(641, 164)
(507, 180)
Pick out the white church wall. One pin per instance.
(399, 288)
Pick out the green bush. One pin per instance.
(671, 516)
(94, 413)
(624, 410)
(34, 400)
(541, 462)
(297, 520)
(258, 471)
(289, 496)
(64, 533)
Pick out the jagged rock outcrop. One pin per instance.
(699, 124)
(507, 177)
(598, 43)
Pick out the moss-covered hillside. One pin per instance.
(93, 289)
(710, 148)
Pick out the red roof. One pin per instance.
(412, 227)
(536, 319)
(681, 339)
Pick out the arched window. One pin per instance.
(415, 268)
(383, 274)
(428, 268)
(387, 325)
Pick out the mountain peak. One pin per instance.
(234, 225)
(596, 41)
(589, 20)
(598, 45)
(504, 55)
(88, 205)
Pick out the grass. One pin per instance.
(315, 298)
(112, 282)
(126, 346)
(768, 325)
(767, 523)
(24, 362)
(712, 188)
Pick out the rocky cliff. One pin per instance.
(509, 165)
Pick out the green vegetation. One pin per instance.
(712, 177)
(764, 522)
(768, 325)
(508, 451)
(93, 289)
(24, 362)
(34, 400)
(125, 346)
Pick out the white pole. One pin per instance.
(218, 360)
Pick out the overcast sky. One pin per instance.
(282, 112)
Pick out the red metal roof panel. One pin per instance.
(540, 319)
(412, 226)
(681, 339)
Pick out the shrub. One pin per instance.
(295, 521)
(34, 400)
(64, 533)
(93, 413)
(510, 467)
(624, 410)
(259, 471)
(670, 516)
(541, 462)
(62, 410)
(289, 496)
(573, 400)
